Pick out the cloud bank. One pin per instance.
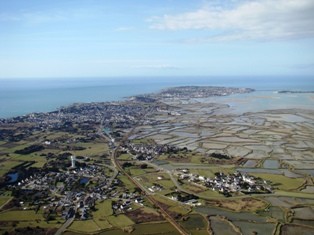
(257, 20)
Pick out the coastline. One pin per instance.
(154, 144)
(20, 97)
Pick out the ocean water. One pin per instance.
(23, 96)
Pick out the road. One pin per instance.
(65, 225)
(164, 213)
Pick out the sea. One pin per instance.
(23, 96)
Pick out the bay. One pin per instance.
(23, 96)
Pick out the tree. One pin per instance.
(143, 166)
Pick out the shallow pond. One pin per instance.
(275, 212)
(13, 176)
(259, 170)
(308, 189)
(250, 163)
(271, 164)
(194, 222)
(84, 180)
(248, 228)
(230, 215)
(220, 226)
(309, 172)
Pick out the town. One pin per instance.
(188, 92)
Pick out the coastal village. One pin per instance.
(227, 184)
(98, 164)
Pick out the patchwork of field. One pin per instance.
(275, 145)
(276, 142)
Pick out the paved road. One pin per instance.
(65, 225)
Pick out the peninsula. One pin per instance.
(164, 163)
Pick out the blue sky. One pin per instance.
(64, 38)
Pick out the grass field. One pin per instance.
(3, 200)
(149, 210)
(194, 221)
(210, 193)
(143, 141)
(125, 157)
(144, 229)
(40, 161)
(104, 209)
(137, 171)
(210, 172)
(42, 224)
(102, 223)
(294, 194)
(154, 228)
(91, 149)
(27, 215)
(166, 200)
(87, 226)
(126, 182)
(195, 158)
(7, 165)
(249, 204)
(120, 221)
(282, 182)
(180, 209)
(192, 187)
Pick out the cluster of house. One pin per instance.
(155, 187)
(81, 118)
(61, 182)
(147, 152)
(185, 198)
(67, 190)
(81, 202)
(125, 202)
(227, 183)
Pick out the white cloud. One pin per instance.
(124, 29)
(258, 19)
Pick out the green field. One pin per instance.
(41, 224)
(120, 221)
(26, 215)
(143, 229)
(102, 223)
(91, 149)
(3, 200)
(125, 157)
(104, 209)
(154, 228)
(166, 200)
(211, 194)
(7, 165)
(126, 182)
(137, 171)
(210, 171)
(194, 221)
(280, 181)
(180, 209)
(87, 226)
